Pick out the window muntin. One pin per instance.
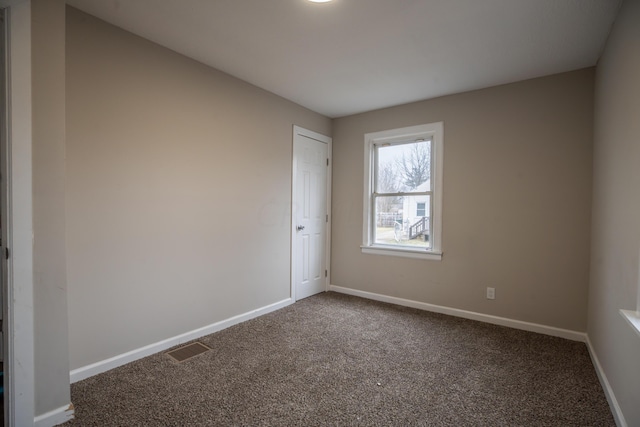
(402, 211)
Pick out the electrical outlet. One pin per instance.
(491, 293)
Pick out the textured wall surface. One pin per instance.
(516, 208)
(615, 253)
(51, 347)
(178, 192)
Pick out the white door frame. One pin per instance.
(19, 395)
(297, 130)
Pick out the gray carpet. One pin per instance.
(336, 360)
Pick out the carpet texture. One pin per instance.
(333, 359)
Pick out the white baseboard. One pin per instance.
(122, 359)
(65, 413)
(487, 318)
(55, 417)
(608, 391)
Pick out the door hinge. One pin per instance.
(6, 253)
(325, 273)
(327, 162)
(327, 218)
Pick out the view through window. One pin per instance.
(402, 210)
(402, 194)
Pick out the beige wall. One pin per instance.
(615, 254)
(51, 348)
(517, 201)
(178, 192)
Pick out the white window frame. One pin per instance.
(631, 316)
(434, 132)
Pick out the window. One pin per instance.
(403, 192)
(633, 317)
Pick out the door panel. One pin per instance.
(309, 216)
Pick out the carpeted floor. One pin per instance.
(333, 359)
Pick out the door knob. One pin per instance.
(300, 227)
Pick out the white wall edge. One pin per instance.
(608, 391)
(633, 318)
(55, 417)
(487, 318)
(130, 356)
(20, 386)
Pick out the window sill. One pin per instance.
(633, 317)
(401, 252)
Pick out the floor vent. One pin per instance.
(187, 352)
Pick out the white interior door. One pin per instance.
(309, 213)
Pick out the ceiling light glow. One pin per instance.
(320, 1)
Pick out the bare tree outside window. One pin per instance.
(401, 172)
(414, 167)
(403, 192)
(388, 182)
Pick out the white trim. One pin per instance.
(297, 130)
(435, 131)
(130, 356)
(633, 318)
(292, 225)
(329, 183)
(55, 417)
(401, 252)
(608, 391)
(472, 315)
(20, 399)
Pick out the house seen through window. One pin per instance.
(402, 201)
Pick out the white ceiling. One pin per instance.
(351, 56)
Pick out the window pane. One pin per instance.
(397, 222)
(404, 167)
